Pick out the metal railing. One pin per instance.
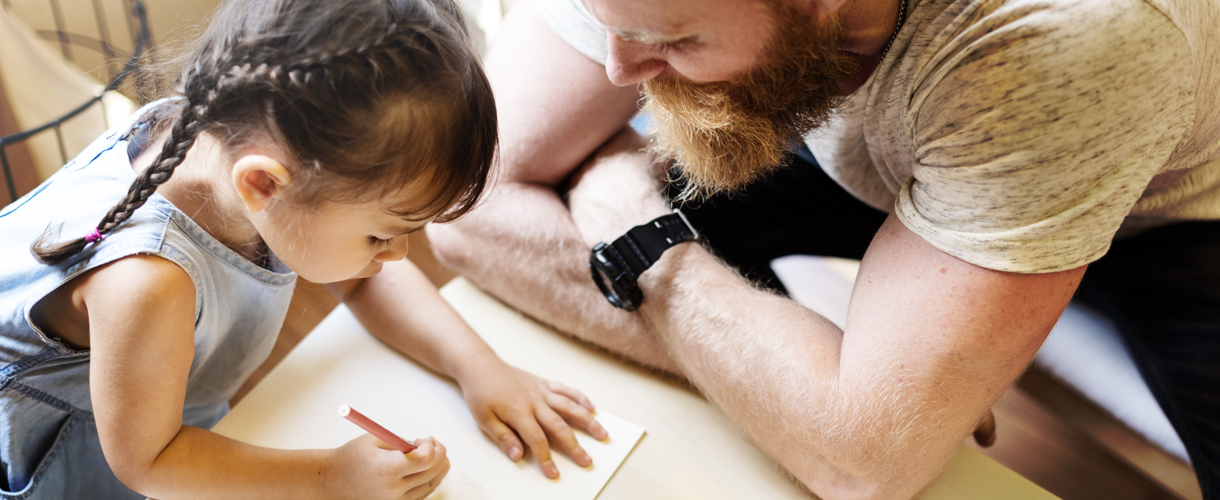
(142, 39)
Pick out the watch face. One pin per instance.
(610, 278)
(605, 284)
(606, 268)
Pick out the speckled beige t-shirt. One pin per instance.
(1019, 135)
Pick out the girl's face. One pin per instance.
(334, 241)
(323, 242)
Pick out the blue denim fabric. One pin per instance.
(49, 446)
(1161, 288)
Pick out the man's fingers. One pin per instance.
(504, 437)
(984, 434)
(578, 415)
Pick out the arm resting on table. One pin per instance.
(556, 107)
(878, 410)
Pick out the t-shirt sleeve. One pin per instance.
(1036, 130)
(575, 25)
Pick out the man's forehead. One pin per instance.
(646, 20)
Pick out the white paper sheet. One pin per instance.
(340, 363)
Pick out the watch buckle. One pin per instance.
(688, 224)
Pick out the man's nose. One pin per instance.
(629, 63)
(397, 250)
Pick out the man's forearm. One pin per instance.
(773, 367)
(522, 246)
(877, 411)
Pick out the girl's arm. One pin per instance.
(141, 328)
(401, 307)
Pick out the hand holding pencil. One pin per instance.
(382, 465)
(375, 429)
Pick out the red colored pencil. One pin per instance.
(375, 429)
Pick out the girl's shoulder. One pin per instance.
(117, 302)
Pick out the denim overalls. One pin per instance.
(49, 446)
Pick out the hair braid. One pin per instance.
(322, 69)
(182, 136)
(364, 97)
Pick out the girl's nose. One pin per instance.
(630, 62)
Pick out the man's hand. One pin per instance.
(617, 189)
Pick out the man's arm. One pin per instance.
(555, 108)
(876, 411)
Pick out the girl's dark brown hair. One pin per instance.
(367, 96)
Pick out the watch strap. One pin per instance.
(644, 244)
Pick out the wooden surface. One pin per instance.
(690, 449)
(1082, 453)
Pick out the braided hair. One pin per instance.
(366, 97)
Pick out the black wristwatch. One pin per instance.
(617, 267)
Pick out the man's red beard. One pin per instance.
(721, 136)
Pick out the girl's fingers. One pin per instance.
(527, 427)
(420, 484)
(436, 481)
(504, 437)
(557, 428)
(572, 394)
(578, 415)
(422, 458)
(417, 490)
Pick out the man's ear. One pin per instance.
(259, 180)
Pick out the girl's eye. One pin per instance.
(379, 243)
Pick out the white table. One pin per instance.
(690, 449)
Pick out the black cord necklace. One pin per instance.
(902, 18)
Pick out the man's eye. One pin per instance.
(677, 45)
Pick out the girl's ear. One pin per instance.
(259, 180)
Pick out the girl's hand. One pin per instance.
(504, 399)
(366, 468)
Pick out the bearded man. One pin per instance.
(978, 155)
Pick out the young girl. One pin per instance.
(306, 136)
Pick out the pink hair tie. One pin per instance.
(93, 236)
